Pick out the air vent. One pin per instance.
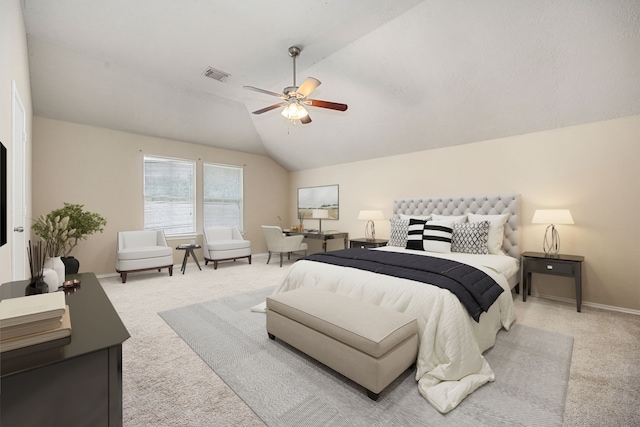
(214, 74)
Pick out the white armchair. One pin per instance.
(224, 244)
(279, 243)
(142, 250)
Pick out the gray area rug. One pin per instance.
(284, 387)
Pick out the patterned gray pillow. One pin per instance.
(470, 237)
(399, 232)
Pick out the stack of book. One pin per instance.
(35, 319)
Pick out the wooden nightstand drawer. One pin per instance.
(365, 244)
(550, 266)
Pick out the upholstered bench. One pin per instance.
(369, 344)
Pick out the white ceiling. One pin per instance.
(415, 74)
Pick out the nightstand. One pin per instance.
(560, 265)
(364, 243)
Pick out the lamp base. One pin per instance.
(370, 231)
(551, 249)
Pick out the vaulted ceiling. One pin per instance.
(416, 74)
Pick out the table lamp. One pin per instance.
(320, 214)
(552, 217)
(370, 228)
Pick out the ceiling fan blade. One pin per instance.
(326, 104)
(306, 119)
(308, 86)
(279, 95)
(269, 108)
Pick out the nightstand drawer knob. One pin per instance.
(549, 267)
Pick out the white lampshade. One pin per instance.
(319, 213)
(370, 215)
(552, 216)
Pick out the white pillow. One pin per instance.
(452, 218)
(437, 236)
(496, 230)
(420, 217)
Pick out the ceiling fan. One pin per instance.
(294, 98)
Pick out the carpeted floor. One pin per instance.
(167, 384)
(287, 388)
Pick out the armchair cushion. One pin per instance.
(144, 252)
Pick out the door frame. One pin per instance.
(18, 185)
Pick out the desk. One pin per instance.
(324, 236)
(85, 374)
(188, 248)
(562, 265)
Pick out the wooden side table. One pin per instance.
(365, 243)
(188, 248)
(561, 265)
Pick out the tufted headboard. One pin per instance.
(483, 205)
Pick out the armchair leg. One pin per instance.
(123, 276)
(268, 259)
(280, 259)
(215, 265)
(171, 270)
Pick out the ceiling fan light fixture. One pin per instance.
(294, 111)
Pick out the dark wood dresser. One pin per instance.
(77, 384)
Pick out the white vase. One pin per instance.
(57, 265)
(50, 278)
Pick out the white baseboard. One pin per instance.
(590, 304)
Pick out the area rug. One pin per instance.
(284, 387)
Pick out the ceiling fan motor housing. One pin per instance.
(291, 91)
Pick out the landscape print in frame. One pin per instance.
(321, 197)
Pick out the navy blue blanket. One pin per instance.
(474, 288)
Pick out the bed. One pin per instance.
(450, 364)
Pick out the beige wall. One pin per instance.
(590, 169)
(14, 67)
(103, 170)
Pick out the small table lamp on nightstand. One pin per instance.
(370, 228)
(552, 217)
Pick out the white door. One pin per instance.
(19, 219)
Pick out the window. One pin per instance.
(169, 195)
(222, 195)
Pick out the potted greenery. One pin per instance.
(63, 228)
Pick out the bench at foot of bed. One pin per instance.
(366, 343)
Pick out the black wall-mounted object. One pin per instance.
(3, 195)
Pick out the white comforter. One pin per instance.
(450, 364)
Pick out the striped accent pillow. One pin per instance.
(415, 233)
(437, 236)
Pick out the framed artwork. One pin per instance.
(324, 197)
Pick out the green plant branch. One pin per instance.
(62, 229)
